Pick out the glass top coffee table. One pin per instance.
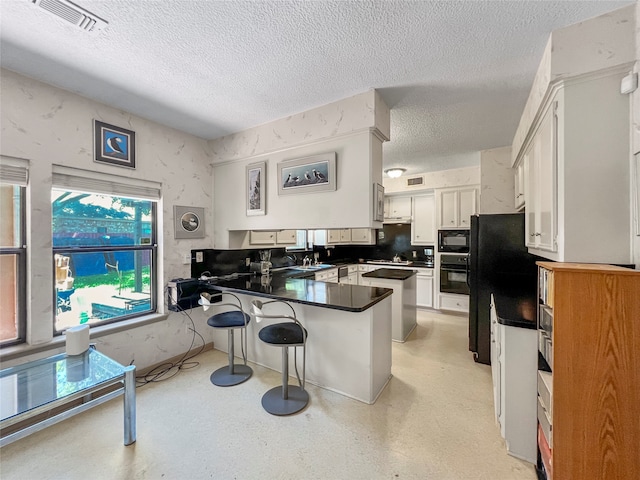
(40, 386)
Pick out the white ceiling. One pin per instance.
(456, 74)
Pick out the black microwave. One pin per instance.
(454, 241)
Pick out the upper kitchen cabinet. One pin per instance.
(577, 192)
(344, 236)
(423, 227)
(455, 207)
(573, 142)
(397, 208)
(541, 161)
(272, 238)
(520, 180)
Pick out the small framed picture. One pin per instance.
(114, 145)
(188, 222)
(378, 204)
(256, 189)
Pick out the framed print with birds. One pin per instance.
(114, 145)
(305, 175)
(188, 222)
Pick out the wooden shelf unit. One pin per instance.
(595, 400)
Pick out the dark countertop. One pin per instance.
(516, 309)
(390, 274)
(414, 263)
(338, 296)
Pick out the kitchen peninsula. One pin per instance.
(349, 330)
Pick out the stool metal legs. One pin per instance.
(232, 374)
(285, 399)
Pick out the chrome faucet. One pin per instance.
(306, 260)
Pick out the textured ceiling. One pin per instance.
(456, 74)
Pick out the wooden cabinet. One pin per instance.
(397, 207)
(455, 207)
(591, 408)
(423, 227)
(272, 237)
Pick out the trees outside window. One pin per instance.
(104, 250)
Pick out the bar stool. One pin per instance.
(231, 374)
(285, 399)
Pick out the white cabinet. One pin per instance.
(424, 289)
(423, 227)
(365, 236)
(262, 237)
(272, 237)
(397, 207)
(344, 236)
(541, 160)
(515, 386)
(519, 183)
(286, 237)
(352, 277)
(577, 159)
(454, 302)
(341, 235)
(455, 207)
(330, 275)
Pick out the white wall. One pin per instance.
(453, 177)
(48, 126)
(353, 128)
(497, 183)
(635, 122)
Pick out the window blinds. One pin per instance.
(95, 182)
(14, 171)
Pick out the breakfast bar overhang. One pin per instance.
(349, 331)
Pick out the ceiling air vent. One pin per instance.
(415, 181)
(72, 13)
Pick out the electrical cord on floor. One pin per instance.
(167, 370)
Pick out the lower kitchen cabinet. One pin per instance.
(514, 363)
(454, 302)
(424, 287)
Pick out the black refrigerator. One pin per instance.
(498, 263)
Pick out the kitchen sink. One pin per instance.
(311, 268)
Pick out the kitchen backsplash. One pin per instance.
(392, 240)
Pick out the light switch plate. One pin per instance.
(186, 259)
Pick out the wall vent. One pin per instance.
(415, 181)
(72, 13)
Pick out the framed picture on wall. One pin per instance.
(307, 175)
(188, 222)
(256, 189)
(114, 145)
(378, 204)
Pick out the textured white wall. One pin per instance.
(47, 126)
(497, 183)
(353, 128)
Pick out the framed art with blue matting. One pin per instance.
(114, 145)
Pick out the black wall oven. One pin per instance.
(453, 241)
(453, 274)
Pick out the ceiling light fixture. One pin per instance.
(395, 172)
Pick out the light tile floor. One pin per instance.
(433, 421)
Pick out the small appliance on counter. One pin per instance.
(263, 267)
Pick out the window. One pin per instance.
(104, 246)
(301, 241)
(12, 263)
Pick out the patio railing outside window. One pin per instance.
(104, 257)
